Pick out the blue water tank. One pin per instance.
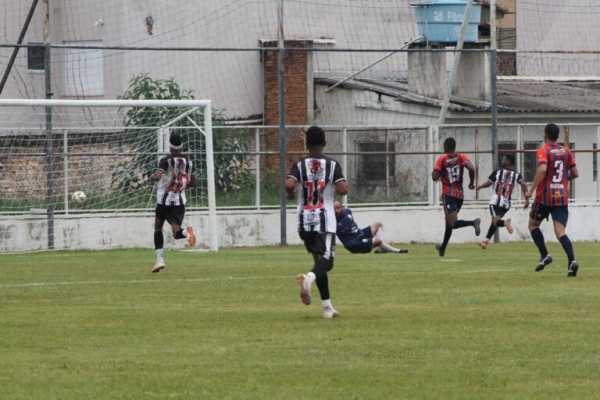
(439, 21)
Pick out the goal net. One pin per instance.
(107, 149)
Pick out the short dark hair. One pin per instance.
(449, 144)
(511, 158)
(552, 131)
(315, 136)
(175, 141)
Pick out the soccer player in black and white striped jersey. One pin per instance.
(504, 180)
(174, 174)
(313, 180)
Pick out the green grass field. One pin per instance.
(474, 325)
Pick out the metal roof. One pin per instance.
(515, 96)
(549, 97)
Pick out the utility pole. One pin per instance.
(48, 143)
(282, 138)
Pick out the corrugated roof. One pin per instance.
(549, 97)
(518, 96)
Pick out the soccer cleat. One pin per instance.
(305, 283)
(402, 251)
(508, 225)
(329, 312)
(573, 269)
(191, 236)
(157, 267)
(440, 250)
(543, 262)
(477, 226)
(483, 244)
(379, 250)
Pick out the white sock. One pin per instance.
(379, 234)
(311, 276)
(326, 304)
(387, 247)
(159, 256)
(184, 233)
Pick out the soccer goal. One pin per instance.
(52, 151)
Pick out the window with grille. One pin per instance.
(376, 167)
(530, 160)
(35, 57)
(506, 148)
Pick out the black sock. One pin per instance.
(568, 246)
(538, 239)
(323, 285)
(447, 235)
(159, 240)
(461, 223)
(179, 234)
(491, 231)
(500, 223)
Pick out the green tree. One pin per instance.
(231, 163)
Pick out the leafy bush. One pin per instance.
(231, 169)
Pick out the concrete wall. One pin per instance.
(261, 228)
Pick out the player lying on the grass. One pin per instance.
(504, 180)
(556, 168)
(357, 240)
(175, 172)
(449, 169)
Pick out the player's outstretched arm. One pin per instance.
(524, 190)
(484, 185)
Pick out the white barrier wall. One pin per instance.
(261, 228)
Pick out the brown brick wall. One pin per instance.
(296, 99)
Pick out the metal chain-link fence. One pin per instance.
(383, 165)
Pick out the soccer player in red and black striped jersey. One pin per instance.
(556, 168)
(313, 180)
(504, 180)
(449, 169)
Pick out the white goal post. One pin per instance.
(50, 149)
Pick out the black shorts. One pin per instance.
(451, 204)
(319, 243)
(171, 214)
(497, 211)
(541, 212)
(363, 244)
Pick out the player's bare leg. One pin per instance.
(386, 248)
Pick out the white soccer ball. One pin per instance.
(78, 197)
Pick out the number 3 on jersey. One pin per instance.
(453, 173)
(314, 195)
(559, 169)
